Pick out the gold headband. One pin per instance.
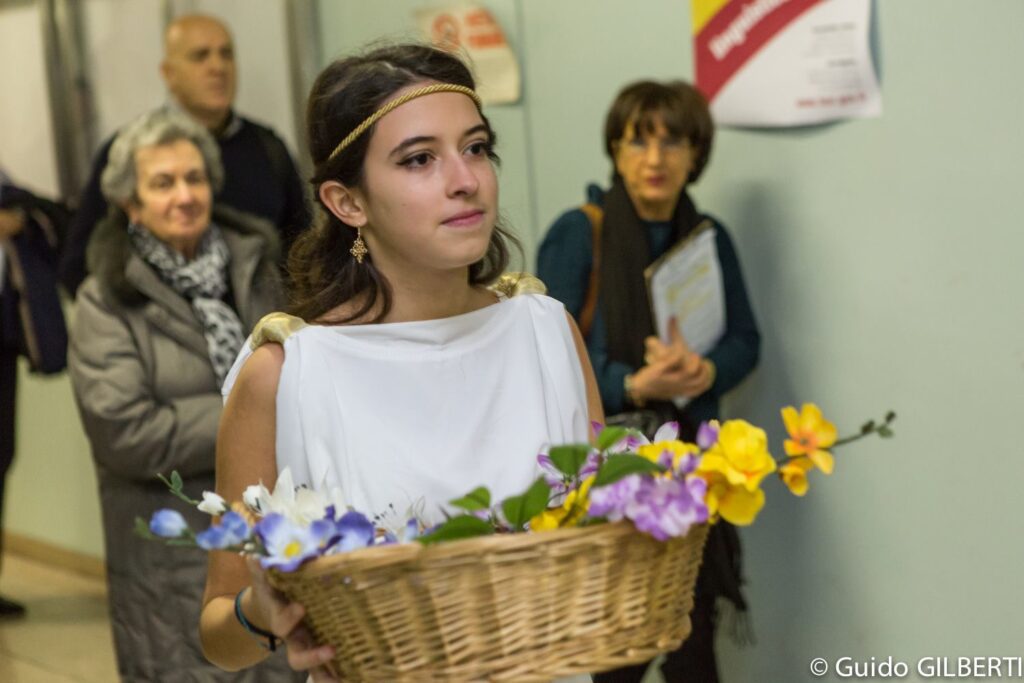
(397, 102)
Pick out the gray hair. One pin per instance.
(160, 127)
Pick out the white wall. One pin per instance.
(26, 139)
(124, 44)
(884, 261)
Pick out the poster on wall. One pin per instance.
(471, 30)
(775, 63)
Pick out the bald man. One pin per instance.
(259, 175)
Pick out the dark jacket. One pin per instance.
(150, 404)
(31, 318)
(564, 261)
(259, 178)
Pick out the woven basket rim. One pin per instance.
(510, 607)
(387, 555)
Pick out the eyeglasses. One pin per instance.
(666, 145)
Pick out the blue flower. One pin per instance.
(288, 545)
(356, 531)
(231, 531)
(168, 523)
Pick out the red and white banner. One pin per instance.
(785, 62)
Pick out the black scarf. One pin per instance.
(626, 306)
(625, 253)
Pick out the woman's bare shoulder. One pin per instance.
(258, 379)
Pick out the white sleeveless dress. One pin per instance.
(418, 413)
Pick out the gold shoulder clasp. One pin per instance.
(275, 327)
(512, 284)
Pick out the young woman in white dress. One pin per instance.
(406, 376)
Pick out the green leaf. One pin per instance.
(521, 509)
(569, 459)
(611, 436)
(477, 499)
(176, 485)
(884, 432)
(617, 467)
(142, 529)
(867, 427)
(463, 526)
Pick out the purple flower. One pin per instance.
(667, 432)
(590, 465)
(288, 545)
(410, 532)
(552, 475)
(560, 483)
(232, 530)
(628, 443)
(356, 531)
(666, 459)
(667, 508)
(168, 523)
(687, 464)
(612, 500)
(707, 434)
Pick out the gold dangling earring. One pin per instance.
(358, 248)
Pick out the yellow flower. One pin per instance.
(810, 434)
(740, 456)
(678, 449)
(548, 520)
(794, 474)
(569, 514)
(735, 504)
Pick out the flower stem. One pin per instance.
(883, 430)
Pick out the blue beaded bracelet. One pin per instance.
(272, 640)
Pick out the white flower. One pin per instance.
(399, 525)
(307, 507)
(213, 504)
(256, 498)
(301, 505)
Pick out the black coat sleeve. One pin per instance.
(92, 207)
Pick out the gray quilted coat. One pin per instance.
(150, 404)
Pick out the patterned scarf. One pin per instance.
(203, 283)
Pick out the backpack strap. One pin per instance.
(595, 214)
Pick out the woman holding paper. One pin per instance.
(658, 137)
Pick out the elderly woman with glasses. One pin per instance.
(177, 284)
(658, 137)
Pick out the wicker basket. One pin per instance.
(523, 607)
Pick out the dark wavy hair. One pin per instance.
(681, 107)
(323, 273)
